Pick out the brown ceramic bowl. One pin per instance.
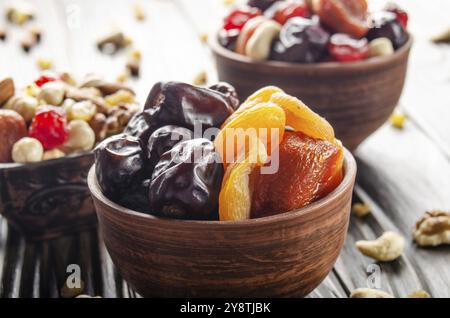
(46, 199)
(356, 97)
(285, 255)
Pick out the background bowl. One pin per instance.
(47, 199)
(355, 97)
(278, 256)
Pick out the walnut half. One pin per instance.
(433, 229)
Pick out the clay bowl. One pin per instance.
(285, 255)
(356, 97)
(47, 199)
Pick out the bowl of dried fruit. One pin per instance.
(203, 197)
(348, 63)
(48, 131)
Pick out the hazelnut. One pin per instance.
(81, 136)
(12, 128)
(84, 110)
(27, 150)
(25, 105)
(52, 93)
(53, 154)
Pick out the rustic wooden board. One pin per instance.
(401, 173)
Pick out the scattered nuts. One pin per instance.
(398, 120)
(443, 37)
(139, 12)
(380, 47)
(28, 42)
(3, 33)
(105, 87)
(32, 90)
(27, 150)
(68, 79)
(12, 128)
(387, 247)
(369, 293)
(67, 292)
(19, 13)
(52, 93)
(200, 79)
(419, 294)
(134, 67)
(118, 118)
(433, 229)
(360, 209)
(88, 93)
(53, 154)
(25, 105)
(259, 44)
(44, 64)
(203, 37)
(6, 90)
(81, 136)
(36, 32)
(84, 110)
(120, 97)
(112, 43)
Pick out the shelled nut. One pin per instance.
(360, 209)
(52, 93)
(84, 110)
(19, 13)
(99, 126)
(120, 97)
(81, 136)
(113, 42)
(105, 87)
(44, 64)
(419, 294)
(433, 229)
(25, 105)
(35, 31)
(6, 90)
(369, 293)
(3, 33)
(380, 47)
(53, 154)
(259, 45)
(200, 79)
(387, 247)
(27, 150)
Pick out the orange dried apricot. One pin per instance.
(308, 170)
(301, 118)
(235, 194)
(263, 121)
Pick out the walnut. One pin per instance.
(433, 229)
(387, 247)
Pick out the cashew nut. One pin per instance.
(387, 247)
(380, 47)
(27, 150)
(433, 229)
(360, 209)
(419, 294)
(81, 136)
(52, 93)
(259, 44)
(24, 105)
(369, 293)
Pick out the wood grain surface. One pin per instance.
(402, 173)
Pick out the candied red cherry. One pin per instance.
(385, 24)
(301, 40)
(228, 38)
(43, 79)
(237, 18)
(343, 48)
(261, 4)
(290, 9)
(401, 15)
(49, 126)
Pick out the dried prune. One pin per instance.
(163, 140)
(119, 161)
(228, 38)
(186, 182)
(181, 104)
(261, 4)
(385, 24)
(301, 40)
(228, 91)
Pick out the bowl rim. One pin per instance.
(350, 169)
(372, 62)
(32, 165)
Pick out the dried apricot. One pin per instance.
(301, 118)
(235, 195)
(263, 121)
(308, 170)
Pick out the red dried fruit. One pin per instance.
(343, 48)
(308, 170)
(237, 18)
(343, 16)
(402, 16)
(290, 9)
(49, 126)
(43, 79)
